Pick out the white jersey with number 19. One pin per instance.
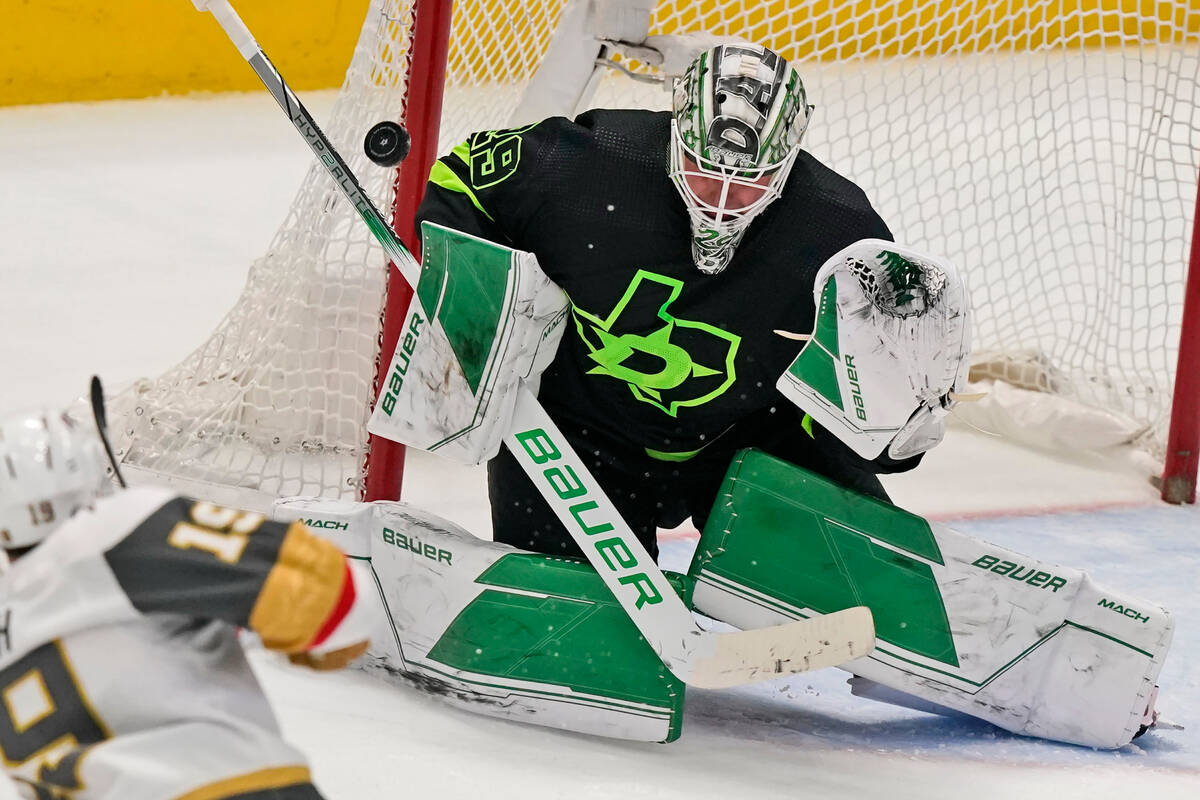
(121, 673)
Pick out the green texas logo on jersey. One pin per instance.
(680, 364)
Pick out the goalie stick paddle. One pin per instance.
(707, 659)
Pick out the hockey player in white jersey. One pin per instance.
(120, 667)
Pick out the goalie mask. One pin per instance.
(51, 466)
(739, 114)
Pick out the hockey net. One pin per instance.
(1049, 147)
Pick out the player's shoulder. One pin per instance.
(817, 182)
(130, 519)
(93, 530)
(815, 174)
(630, 121)
(821, 181)
(64, 583)
(605, 132)
(562, 148)
(626, 131)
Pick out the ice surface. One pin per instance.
(125, 231)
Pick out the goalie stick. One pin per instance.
(707, 659)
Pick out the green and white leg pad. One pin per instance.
(500, 631)
(890, 346)
(1032, 647)
(484, 317)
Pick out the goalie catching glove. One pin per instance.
(888, 352)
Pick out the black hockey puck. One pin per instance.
(387, 144)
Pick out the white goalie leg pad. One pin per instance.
(496, 630)
(890, 345)
(960, 623)
(1074, 662)
(483, 318)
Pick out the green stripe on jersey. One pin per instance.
(442, 175)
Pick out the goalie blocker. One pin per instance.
(484, 319)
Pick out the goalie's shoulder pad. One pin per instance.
(484, 317)
(889, 348)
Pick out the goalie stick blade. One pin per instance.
(765, 653)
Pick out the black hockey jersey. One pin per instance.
(658, 356)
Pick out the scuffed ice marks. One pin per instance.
(430, 684)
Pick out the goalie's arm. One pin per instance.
(489, 184)
(451, 202)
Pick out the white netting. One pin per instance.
(276, 401)
(1050, 147)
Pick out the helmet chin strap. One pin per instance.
(101, 418)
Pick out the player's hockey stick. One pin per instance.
(702, 658)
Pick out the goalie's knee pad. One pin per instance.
(501, 631)
(889, 348)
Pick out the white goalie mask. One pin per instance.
(740, 112)
(51, 466)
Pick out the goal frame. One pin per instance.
(383, 467)
(1183, 438)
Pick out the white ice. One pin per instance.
(125, 231)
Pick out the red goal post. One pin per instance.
(383, 466)
(1049, 147)
(1183, 438)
